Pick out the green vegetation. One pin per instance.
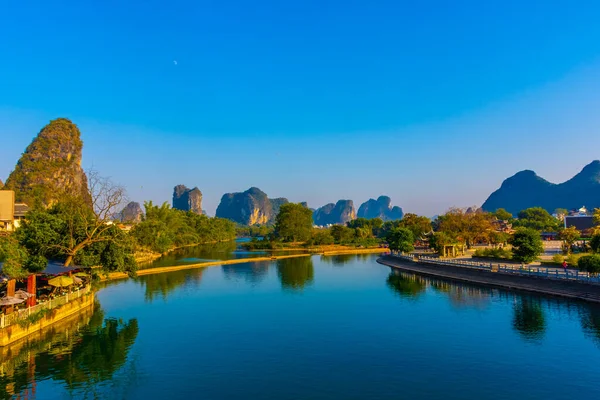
(569, 236)
(164, 228)
(589, 263)
(293, 223)
(401, 239)
(493, 253)
(537, 218)
(502, 215)
(595, 243)
(254, 231)
(527, 245)
(465, 227)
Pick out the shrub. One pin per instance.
(589, 264)
(493, 253)
(557, 258)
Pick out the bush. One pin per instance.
(493, 253)
(527, 245)
(589, 264)
(557, 258)
(595, 243)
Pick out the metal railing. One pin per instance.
(15, 317)
(524, 270)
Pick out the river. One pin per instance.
(339, 327)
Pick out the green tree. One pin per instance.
(502, 214)
(322, 237)
(418, 225)
(401, 239)
(465, 226)
(527, 244)
(537, 218)
(595, 243)
(569, 236)
(439, 240)
(590, 263)
(342, 234)
(293, 223)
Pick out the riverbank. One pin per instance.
(160, 270)
(569, 289)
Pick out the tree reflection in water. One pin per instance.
(160, 285)
(295, 273)
(338, 260)
(590, 322)
(528, 319)
(253, 272)
(196, 254)
(79, 356)
(406, 285)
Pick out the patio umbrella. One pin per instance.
(9, 301)
(82, 274)
(21, 294)
(61, 281)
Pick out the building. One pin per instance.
(11, 213)
(580, 220)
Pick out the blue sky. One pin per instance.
(433, 104)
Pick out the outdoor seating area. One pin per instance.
(18, 295)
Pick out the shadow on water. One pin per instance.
(295, 273)
(160, 285)
(529, 318)
(254, 272)
(341, 259)
(80, 352)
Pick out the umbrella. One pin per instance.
(21, 294)
(9, 301)
(82, 274)
(61, 281)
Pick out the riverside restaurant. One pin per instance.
(28, 300)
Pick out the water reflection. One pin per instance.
(79, 352)
(406, 285)
(295, 273)
(253, 272)
(160, 285)
(529, 320)
(590, 323)
(198, 254)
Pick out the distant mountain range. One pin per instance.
(526, 189)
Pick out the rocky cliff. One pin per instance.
(132, 213)
(526, 189)
(252, 207)
(187, 199)
(380, 208)
(338, 213)
(50, 167)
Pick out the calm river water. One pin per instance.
(311, 328)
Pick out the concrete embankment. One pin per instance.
(570, 289)
(160, 270)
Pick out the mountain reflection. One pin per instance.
(160, 285)
(529, 320)
(295, 273)
(253, 272)
(80, 352)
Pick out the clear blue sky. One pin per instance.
(433, 103)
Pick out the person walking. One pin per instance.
(565, 265)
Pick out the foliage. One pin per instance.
(597, 216)
(569, 236)
(293, 223)
(418, 225)
(589, 263)
(464, 226)
(401, 239)
(439, 240)
(527, 244)
(537, 218)
(496, 238)
(164, 228)
(254, 231)
(33, 318)
(321, 237)
(557, 259)
(17, 261)
(499, 253)
(595, 243)
(342, 234)
(502, 215)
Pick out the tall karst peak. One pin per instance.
(187, 199)
(50, 167)
(526, 189)
(380, 208)
(252, 207)
(338, 213)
